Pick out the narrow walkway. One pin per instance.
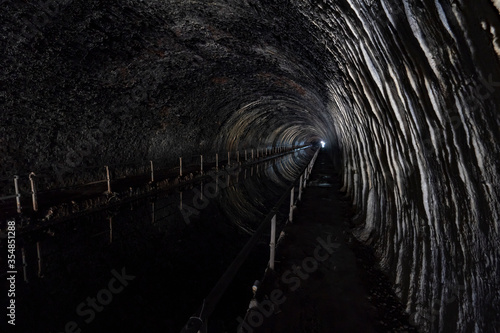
(324, 280)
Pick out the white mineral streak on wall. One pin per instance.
(495, 40)
(497, 4)
(443, 18)
(416, 148)
(420, 36)
(463, 26)
(413, 133)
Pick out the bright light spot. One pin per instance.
(323, 144)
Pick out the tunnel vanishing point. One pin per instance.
(406, 94)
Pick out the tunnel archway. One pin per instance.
(404, 93)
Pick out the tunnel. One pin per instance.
(404, 94)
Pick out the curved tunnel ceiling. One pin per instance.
(404, 92)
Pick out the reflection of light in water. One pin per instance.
(323, 144)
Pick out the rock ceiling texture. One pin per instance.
(406, 93)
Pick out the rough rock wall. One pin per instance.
(87, 83)
(418, 117)
(407, 91)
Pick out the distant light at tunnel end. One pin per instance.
(323, 144)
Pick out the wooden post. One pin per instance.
(18, 195)
(180, 200)
(272, 244)
(252, 154)
(217, 162)
(152, 172)
(246, 155)
(201, 164)
(228, 158)
(290, 215)
(180, 166)
(108, 179)
(238, 156)
(33, 192)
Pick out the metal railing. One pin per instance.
(42, 258)
(198, 322)
(151, 171)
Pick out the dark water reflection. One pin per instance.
(144, 266)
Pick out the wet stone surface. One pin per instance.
(326, 280)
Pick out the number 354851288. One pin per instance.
(11, 243)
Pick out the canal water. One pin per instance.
(146, 266)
